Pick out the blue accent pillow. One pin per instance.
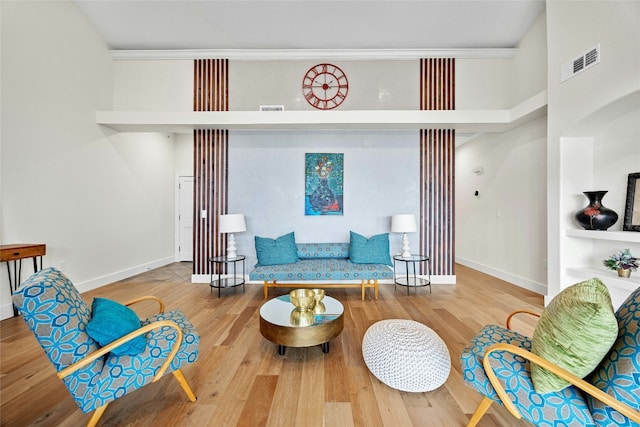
(374, 250)
(111, 320)
(282, 250)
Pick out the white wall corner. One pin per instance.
(531, 285)
(6, 311)
(97, 282)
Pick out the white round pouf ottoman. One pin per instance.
(406, 355)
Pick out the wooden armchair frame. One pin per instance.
(95, 417)
(593, 391)
(523, 311)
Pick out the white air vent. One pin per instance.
(272, 108)
(581, 63)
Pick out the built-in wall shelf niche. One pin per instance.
(581, 163)
(608, 277)
(618, 236)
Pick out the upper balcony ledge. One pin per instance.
(466, 121)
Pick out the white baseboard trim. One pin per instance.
(444, 279)
(200, 278)
(536, 287)
(206, 278)
(436, 280)
(91, 284)
(6, 311)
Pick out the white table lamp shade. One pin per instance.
(229, 224)
(404, 223)
(232, 223)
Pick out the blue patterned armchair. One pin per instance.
(497, 364)
(58, 316)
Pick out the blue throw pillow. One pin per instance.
(282, 250)
(374, 250)
(111, 320)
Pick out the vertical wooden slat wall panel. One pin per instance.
(437, 163)
(210, 166)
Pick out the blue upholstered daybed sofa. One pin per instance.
(361, 263)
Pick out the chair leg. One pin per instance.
(185, 385)
(480, 411)
(95, 417)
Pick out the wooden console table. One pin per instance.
(17, 253)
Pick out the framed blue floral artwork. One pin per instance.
(324, 185)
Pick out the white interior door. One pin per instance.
(185, 218)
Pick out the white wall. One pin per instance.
(502, 231)
(529, 72)
(266, 183)
(504, 83)
(153, 85)
(487, 83)
(184, 153)
(266, 169)
(483, 84)
(612, 24)
(168, 85)
(373, 85)
(624, 132)
(588, 106)
(102, 203)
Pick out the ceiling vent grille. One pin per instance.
(272, 108)
(581, 63)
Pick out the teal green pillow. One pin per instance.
(575, 331)
(111, 320)
(282, 250)
(374, 250)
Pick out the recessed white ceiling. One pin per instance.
(311, 24)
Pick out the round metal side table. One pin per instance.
(410, 278)
(229, 281)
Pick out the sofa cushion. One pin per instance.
(374, 250)
(281, 250)
(111, 320)
(321, 269)
(575, 331)
(322, 250)
(619, 372)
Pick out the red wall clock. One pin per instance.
(325, 86)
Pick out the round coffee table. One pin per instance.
(281, 324)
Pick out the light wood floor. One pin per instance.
(240, 379)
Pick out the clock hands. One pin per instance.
(324, 86)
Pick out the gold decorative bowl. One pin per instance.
(319, 294)
(319, 308)
(303, 299)
(302, 318)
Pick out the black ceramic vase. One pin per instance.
(322, 198)
(595, 216)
